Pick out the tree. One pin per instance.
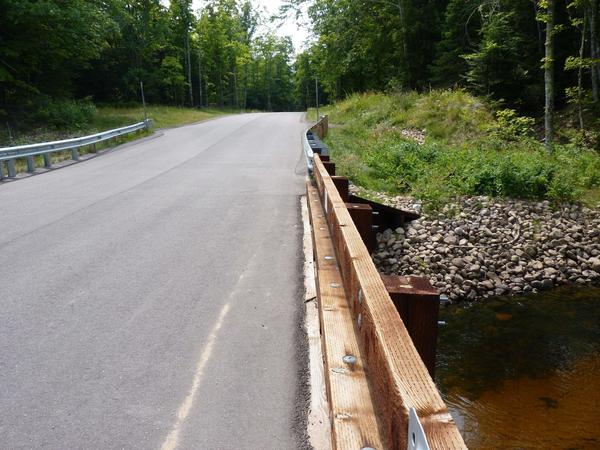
(548, 17)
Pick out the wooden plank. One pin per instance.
(318, 428)
(398, 378)
(353, 419)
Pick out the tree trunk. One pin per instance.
(268, 85)
(235, 88)
(189, 67)
(549, 76)
(594, 49)
(221, 103)
(539, 28)
(580, 73)
(199, 79)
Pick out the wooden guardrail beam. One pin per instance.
(398, 377)
(353, 418)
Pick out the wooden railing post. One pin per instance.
(418, 303)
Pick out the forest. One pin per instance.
(527, 55)
(60, 58)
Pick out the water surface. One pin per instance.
(524, 373)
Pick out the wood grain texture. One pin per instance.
(318, 427)
(354, 422)
(397, 376)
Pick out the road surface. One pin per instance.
(150, 298)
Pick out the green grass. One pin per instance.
(163, 116)
(468, 150)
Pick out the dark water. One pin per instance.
(524, 373)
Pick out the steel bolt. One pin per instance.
(349, 359)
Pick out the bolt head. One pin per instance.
(349, 359)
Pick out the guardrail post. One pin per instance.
(1, 170)
(342, 185)
(75, 154)
(10, 166)
(362, 216)
(47, 161)
(418, 303)
(329, 166)
(30, 164)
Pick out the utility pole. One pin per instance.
(143, 100)
(200, 74)
(317, 96)
(189, 65)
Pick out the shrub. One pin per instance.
(65, 113)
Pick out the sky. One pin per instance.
(288, 28)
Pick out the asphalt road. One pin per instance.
(150, 298)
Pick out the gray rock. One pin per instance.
(474, 268)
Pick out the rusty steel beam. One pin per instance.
(418, 303)
(386, 216)
(362, 216)
(329, 167)
(342, 185)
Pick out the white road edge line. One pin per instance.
(319, 429)
(172, 440)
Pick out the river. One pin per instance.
(524, 372)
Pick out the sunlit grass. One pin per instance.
(463, 149)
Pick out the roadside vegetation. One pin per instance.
(74, 119)
(443, 144)
(87, 54)
(86, 119)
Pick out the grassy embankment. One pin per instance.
(105, 118)
(444, 144)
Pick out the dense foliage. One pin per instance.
(58, 56)
(495, 49)
(447, 143)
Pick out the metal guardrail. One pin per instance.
(311, 141)
(9, 154)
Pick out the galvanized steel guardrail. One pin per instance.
(312, 143)
(9, 154)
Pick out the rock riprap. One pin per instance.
(478, 246)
